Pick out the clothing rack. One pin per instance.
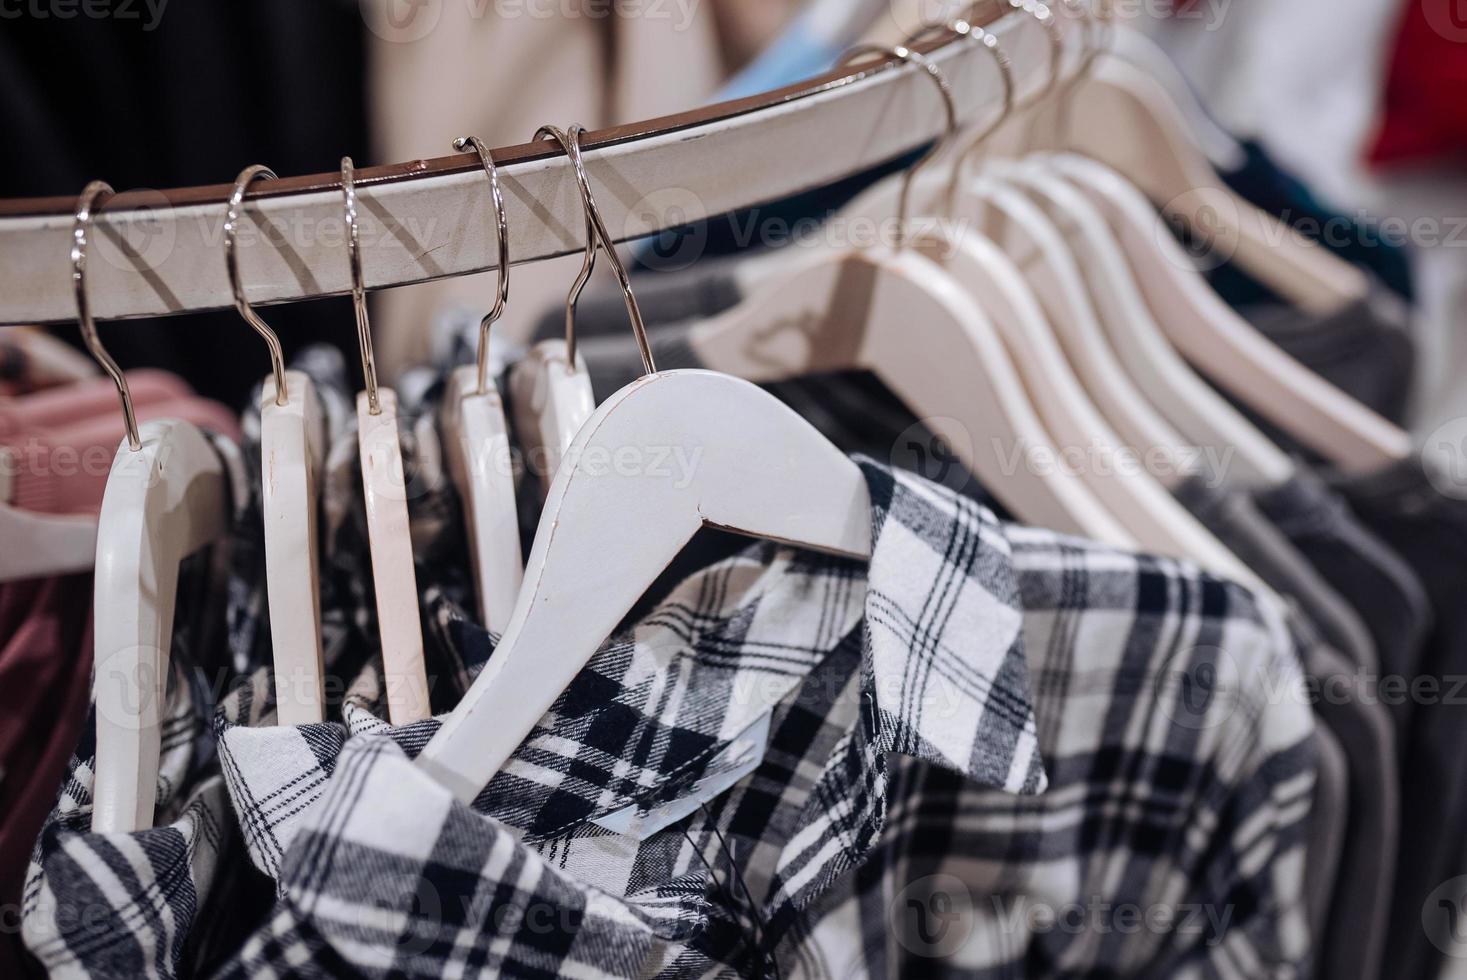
(162, 253)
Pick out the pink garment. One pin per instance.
(63, 469)
(67, 404)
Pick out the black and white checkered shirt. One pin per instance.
(128, 904)
(995, 751)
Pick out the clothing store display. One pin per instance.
(1429, 530)
(768, 684)
(557, 799)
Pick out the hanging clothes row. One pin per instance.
(1064, 643)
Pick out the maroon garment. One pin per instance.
(45, 681)
(1424, 113)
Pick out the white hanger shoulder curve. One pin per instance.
(1120, 115)
(608, 531)
(476, 442)
(552, 400)
(1223, 346)
(1180, 396)
(292, 446)
(1075, 282)
(162, 503)
(899, 315)
(394, 578)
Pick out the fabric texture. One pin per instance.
(1365, 349)
(127, 904)
(45, 680)
(916, 713)
(1428, 528)
(1355, 238)
(1236, 520)
(1386, 592)
(1351, 941)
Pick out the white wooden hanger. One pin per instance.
(550, 388)
(394, 578)
(926, 336)
(34, 545)
(166, 497)
(608, 531)
(476, 443)
(1077, 304)
(292, 448)
(1141, 504)
(1144, 509)
(1113, 111)
(1222, 345)
(1149, 360)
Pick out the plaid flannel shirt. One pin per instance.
(993, 750)
(127, 904)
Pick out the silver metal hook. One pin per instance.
(358, 285)
(570, 141)
(501, 293)
(80, 228)
(1045, 16)
(231, 264)
(966, 28)
(912, 57)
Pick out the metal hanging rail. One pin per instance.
(159, 253)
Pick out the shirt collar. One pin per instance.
(943, 676)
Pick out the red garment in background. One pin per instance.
(1424, 109)
(45, 681)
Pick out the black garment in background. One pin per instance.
(212, 87)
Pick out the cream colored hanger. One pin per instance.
(476, 442)
(608, 531)
(550, 388)
(1233, 445)
(292, 448)
(897, 313)
(1107, 466)
(1141, 504)
(167, 497)
(394, 578)
(1117, 114)
(1223, 346)
(1216, 340)
(1077, 304)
